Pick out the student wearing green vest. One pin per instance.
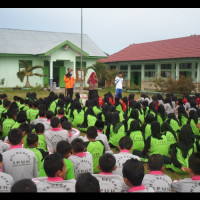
(89, 120)
(193, 121)
(26, 130)
(161, 114)
(34, 113)
(4, 109)
(64, 148)
(156, 143)
(116, 130)
(32, 143)
(182, 150)
(30, 105)
(118, 105)
(173, 122)
(145, 108)
(21, 118)
(133, 116)
(172, 136)
(26, 107)
(130, 107)
(39, 130)
(78, 114)
(95, 106)
(146, 127)
(9, 122)
(182, 116)
(95, 147)
(136, 136)
(137, 106)
(152, 109)
(101, 116)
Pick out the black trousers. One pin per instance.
(69, 92)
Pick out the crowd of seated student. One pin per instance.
(36, 133)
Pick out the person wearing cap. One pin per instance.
(69, 83)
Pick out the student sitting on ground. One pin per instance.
(133, 174)
(116, 130)
(32, 142)
(39, 130)
(26, 130)
(41, 118)
(156, 179)
(191, 184)
(100, 136)
(182, 116)
(125, 147)
(9, 122)
(55, 134)
(95, 147)
(35, 111)
(82, 160)
(64, 148)
(193, 122)
(72, 132)
(19, 162)
(87, 183)
(173, 122)
(133, 116)
(21, 118)
(182, 150)
(6, 180)
(161, 114)
(136, 136)
(55, 169)
(156, 143)
(47, 123)
(108, 181)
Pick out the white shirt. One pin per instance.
(118, 82)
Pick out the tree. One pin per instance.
(110, 76)
(28, 71)
(100, 70)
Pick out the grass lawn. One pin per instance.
(42, 94)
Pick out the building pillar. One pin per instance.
(198, 71)
(177, 71)
(129, 76)
(159, 69)
(193, 70)
(142, 72)
(51, 75)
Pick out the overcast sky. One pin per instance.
(112, 29)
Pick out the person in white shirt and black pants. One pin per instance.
(118, 82)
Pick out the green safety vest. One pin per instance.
(38, 157)
(119, 108)
(183, 120)
(96, 110)
(16, 125)
(96, 148)
(170, 138)
(91, 120)
(138, 140)
(129, 112)
(146, 111)
(194, 127)
(174, 124)
(28, 113)
(52, 106)
(159, 119)
(7, 125)
(2, 110)
(42, 142)
(159, 146)
(33, 114)
(25, 108)
(78, 118)
(147, 131)
(115, 137)
(69, 166)
(129, 123)
(141, 116)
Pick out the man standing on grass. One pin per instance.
(69, 83)
(118, 82)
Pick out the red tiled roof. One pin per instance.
(185, 47)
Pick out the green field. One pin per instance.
(42, 94)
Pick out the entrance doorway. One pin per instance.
(136, 79)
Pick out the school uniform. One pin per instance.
(168, 108)
(74, 133)
(121, 158)
(6, 182)
(187, 184)
(47, 124)
(4, 146)
(20, 163)
(38, 120)
(53, 136)
(56, 184)
(110, 182)
(158, 181)
(83, 163)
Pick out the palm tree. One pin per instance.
(28, 71)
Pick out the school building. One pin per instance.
(56, 51)
(172, 57)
